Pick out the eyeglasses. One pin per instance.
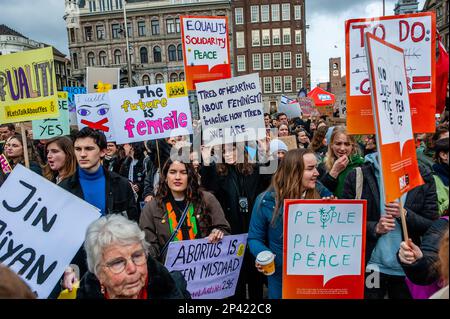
(119, 264)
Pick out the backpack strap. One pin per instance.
(359, 183)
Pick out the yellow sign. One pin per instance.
(176, 89)
(28, 86)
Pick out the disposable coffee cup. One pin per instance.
(267, 261)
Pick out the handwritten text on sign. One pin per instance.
(49, 128)
(211, 270)
(41, 228)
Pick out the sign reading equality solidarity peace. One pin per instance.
(49, 128)
(211, 270)
(391, 107)
(415, 34)
(231, 110)
(323, 251)
(28, 86)
(150, 112)
(42, 227)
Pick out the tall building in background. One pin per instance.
(269, 39)
(406, 6)
(441, 8)
(97, 38)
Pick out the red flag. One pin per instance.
(442, 64)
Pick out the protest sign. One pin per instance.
(101, 80)
(93, 110)
(290, 107)
(323, 251)
(290, 141)
(206, 49)
(308, 107)
(49, 128)
(28, 86)
(71, 91)
(150, 112)
(6, 168)
(231, 110)
(415, 34)
(211, 270)
(42, 226)
(395, 140)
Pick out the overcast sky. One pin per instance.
(41, 20)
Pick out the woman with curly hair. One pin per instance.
(181, 211)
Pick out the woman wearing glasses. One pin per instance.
(119, 265)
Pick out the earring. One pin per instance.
(102, 289)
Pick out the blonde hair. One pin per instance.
(330, 158)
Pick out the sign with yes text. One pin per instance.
(49, 128)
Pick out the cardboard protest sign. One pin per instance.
(323, 250)
(231, 110)
(211, 270)
(49, 128)
(28, 86)
(101, 80)
(415, 34)
(290, 141)
(94, 111)
(308, 107)
(290, 107)
(206, 49)
(6, 168)
(150, 112)
(71, 91)
(42, 226)
(391, 107)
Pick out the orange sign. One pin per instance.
(206, 49)
(415, 33)
(323, 250)
(391, 106)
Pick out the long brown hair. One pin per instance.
(32, 154)
(443, 258)
(287, 181)
(330, 158)
(246, 168)
(317, 141)
(70, 164)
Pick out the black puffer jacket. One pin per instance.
(421, 204)
(161, 284)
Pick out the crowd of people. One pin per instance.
(154, 192)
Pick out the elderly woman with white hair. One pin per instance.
(120, 267)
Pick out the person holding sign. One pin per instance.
(181, 211)
(14, 151)
(296, 178)
(61, 159)
(119, 265)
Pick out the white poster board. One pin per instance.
(42, 226)
(211, 270)
(231, 110)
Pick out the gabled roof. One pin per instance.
(5, 30)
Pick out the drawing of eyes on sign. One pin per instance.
(93, 110)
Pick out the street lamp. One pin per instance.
(130, 83)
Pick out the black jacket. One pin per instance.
(161, 284)
(138, 174)
(421, 204)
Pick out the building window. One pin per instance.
(256, 41)
(141, 28)
(100, 32)
(75, 61)
(144, 55)
(155, 27)
(277, 60)
(298, 60)
(298, 12)
(170, 26)
(256, 61)
(266, 37)
(72, 35)
(115, 30)
(286, 11)
(102, 58)
(88, 33)
(298, 36)
(254, 11)
(91, 59)
(177, 25)
(172, 50)
(110, 5)
(173, 77)
(267, 83)
(181, 76)
(286, 35)
(241, 63)
(145, 80)
(275, 12)
(298, 84)
(92, 6)
(288, 83)
(117, 56)
(157, 54)
(159, 79)
(239, 15)
(277, 85)
(276, 37)
(287, 60)
(102, 5)
(240, 41)
(118, 4)
(180, 52)
(267, 61)
(129, 29)
(265, 13)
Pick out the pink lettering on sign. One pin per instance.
(158, 126)
(5, 165)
